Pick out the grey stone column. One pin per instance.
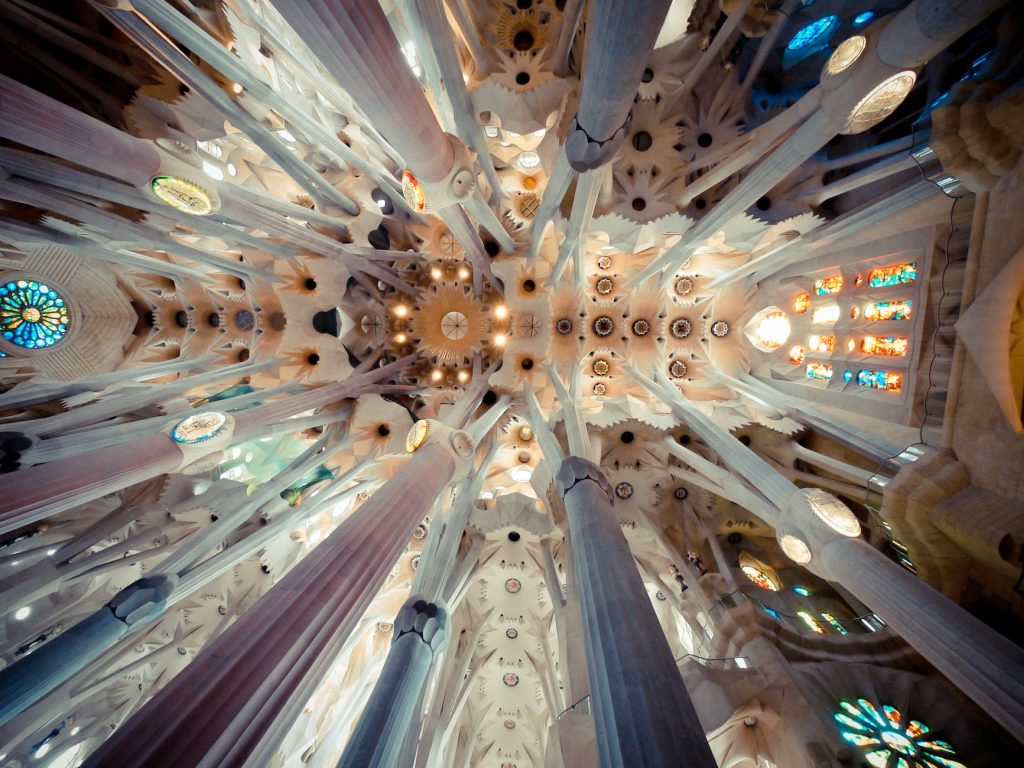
(620, 38)
(642, 712)
(420, 634)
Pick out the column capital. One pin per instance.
(574, 470)
(428, 620)
(585, 152)
(143, 599)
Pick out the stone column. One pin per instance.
(35, 493)
(355, 44)
(820, 533)
(237, 700)
(420, 634)
(642, 712)
(620, 38)
(37, 121)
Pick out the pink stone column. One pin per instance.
(237, 700)
(37, 121)
(37, 492)
(354, 42)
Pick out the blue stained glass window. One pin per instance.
(816, 32)
(32, 315)
(863, 18)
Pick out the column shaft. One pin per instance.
(982, 663)
(642, 712)
(235, 702)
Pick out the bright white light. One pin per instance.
(741, 663)
(231, 169)
(416, 70)
(435, 273)
(463, 273)
(486, 495)
(500, 339)
(463, 376)
(22, 613)
(400, 338)
(501, 311)
(75, 730)
(213, 171)
(436, 375)
(521, 474)
(236, 87)
(286, 135)
(491, 131)
(401, 310)
(382, 204)
(51, 552)
(527, 160)
(41, 752)
(540, 132)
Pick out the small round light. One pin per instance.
(236, 87)
(796, 549)
(863, 18)
(22, 613)
(435, 375)
(463, 273)
(521, 474)
(401, 310)
(463, 377)
(501, 311)
(500, 339)
(400, 338)
(435, 273)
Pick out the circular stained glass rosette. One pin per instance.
(510, 724)
(513, 585)
(32, 315)
(198, 428)
(660, 595)
(623, 490)
(889, 739)
(511, 679)
(511, 633)
(413, 192)
(182, 195)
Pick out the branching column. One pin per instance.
(420, 633)
(237, 700)
(643, 715)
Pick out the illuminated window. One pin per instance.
(773, 330)
(32, 315)
(890, 738)
(863, 18)
(835, 623)
(802, 591)
(828, 285)
(889, 346)
(761, 574)
(811, 622)
(816, 33)
(892, 275)
(887, 380)
(527, 160)
(802, 303)
(827, 314)
(888, 310)
(854, 312)
(819, 371)
(822, 343)
(760, 578)
(796, 354)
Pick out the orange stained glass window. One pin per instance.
(889, 346)
(802, 303)
(797, 354)
(822, 343)
(828, 285)
(895, 274)
(819, 371)
(888, 310)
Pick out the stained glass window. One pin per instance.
(893, 382)
(796, 354)
(760, 578)
(892, 275)
(32, 315)
(802, 303)
(889, 346)
(888, 738)
(773, 330)
(835, 623)
(817, 32)
(828, 285)
(819, 371)
(826, 314)
(822, 343)
(888, 310)
(811, 622)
